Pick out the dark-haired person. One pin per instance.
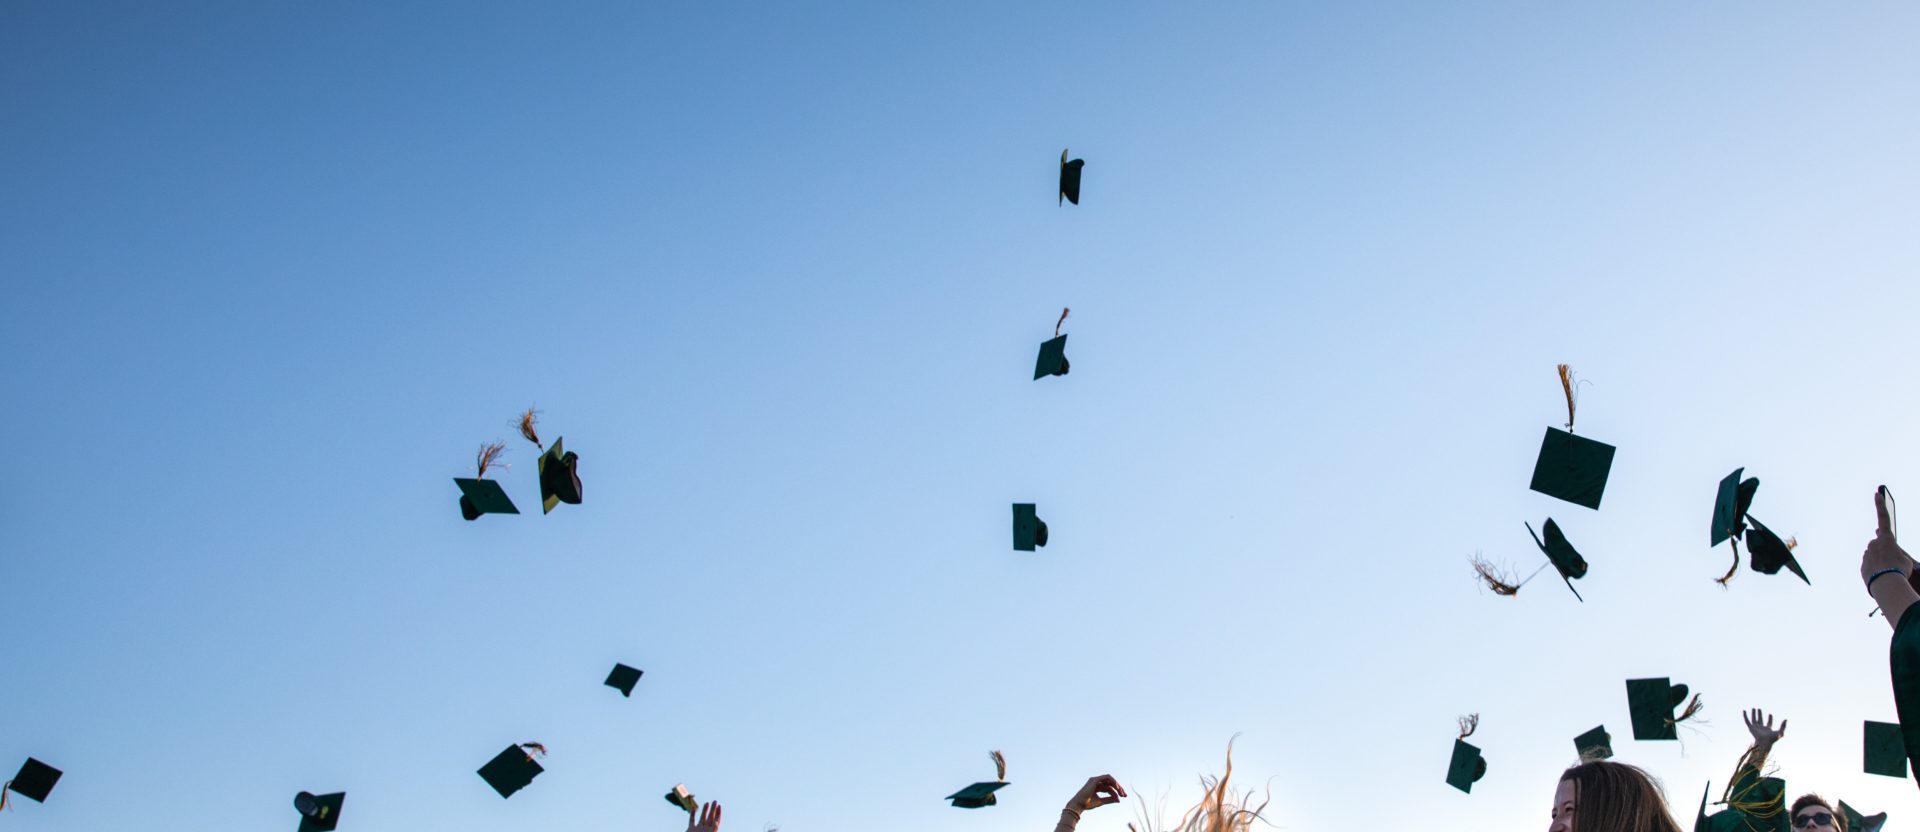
(1604, 796)
(1812, 814)
(1888, 572)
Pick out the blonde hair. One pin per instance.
(1221, 808)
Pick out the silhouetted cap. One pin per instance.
(1566, 560)
(1885, 751)
(1572, 468)
(1730, 505)
(1053, 358)
(623, 678)
(319, 813)
(976, 796)
(1028, 529)
(559, 477)
(510, 770)
(1466, 767)
(1596, 744)
(478, 496)
(1650, 702)
(1070, 178)
(1857, 822)
(1766, 552)
(34, 781)
(682, 798)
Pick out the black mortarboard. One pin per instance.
(1572, 468)
(623, 678)
(1857, 822)
(559, 477)
(1053, 358)
(1650, 702)
(1885, 752)
(479, 497)
(1070, 178)
(510, 770)
(34, 781)
(1028, 529)
(975, 796)
(1466, 767)
(319, 813)
(1700, 821)
(1766, 552)
(679, 796)
(1730, 505)
(1565, 559)
(1596, 744)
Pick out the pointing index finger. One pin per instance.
(1881, 510)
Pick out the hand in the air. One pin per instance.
(1764, 734)
(1883, 552)
(709, 819)
(1099, 791)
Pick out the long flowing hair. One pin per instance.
(1221, 808)
(1616, 797)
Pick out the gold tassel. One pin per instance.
(999, 765)
(489, 454)
(1469, 724)
(1793, 543)
(534, 747)
(1566, 385)
(1693, 709)
(1494, 577)
(1063, 319)
(526, 428)
(1723, 580)
(3, 795)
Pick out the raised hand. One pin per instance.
(709, 819)
(1099, 791)
(1764, 735)
(1884, 552)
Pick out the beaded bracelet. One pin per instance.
(1891, 570)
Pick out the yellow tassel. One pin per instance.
(1693, 708)
(1726, 579)
(526, 428)
(1566, 385)
(999, 765)
(1469, 724)
(1063, 319)
(534, 747)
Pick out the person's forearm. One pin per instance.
(1894, 595)
(1068, 820)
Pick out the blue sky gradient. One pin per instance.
(778, 272)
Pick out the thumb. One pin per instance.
(1882, 512)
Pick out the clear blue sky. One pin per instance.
(778, 272)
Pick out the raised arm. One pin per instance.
(1886, 567)
(1099, 791)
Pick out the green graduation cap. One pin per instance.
(1857, 822)
(981, 794)
(1053, 354)
(319, 813)
(34, 782)
(623, 678)
(1885, 752)
(1566, 560)
(1766, 552)
(480, 495)
(1466, 767)
(559, 477)
(1028, 529)
(1700, 821)
(511, 770)
(1650, 703)
(1596, 744)
(1730, 505)
(682, 798)
(1572, 468)
(1070, 178)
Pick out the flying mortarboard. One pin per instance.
(1053, 354)
(511, 770)
(1572, 468)
(1731, 521)
(1028, 529)
(1467, 766)
(480, 495)
(1884, 751)
(981, 794)
(1565, 559)
(1596, 744)
(1766, 552)
(1650, 702)
(1070, 178)
(1857, 822)
(679, 796)
(623, 678)
(319, 813)
(34, 781)
(559, 470)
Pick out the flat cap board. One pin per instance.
(623, 678)
(1070, 178)
(1884, 750)
(1729, 505)
(510, 770)
(976, 795)
(1466, 767)
(325, 812)
(1572, 468)
(1026, 527)
(35, 780)
(1650, 703)
(1596, 744)
(1052, 360)
(486, 496)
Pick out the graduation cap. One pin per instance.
(511, 770)
(34, 781)
(1596, 744)
(1884, 751)
(1857, 822)
(1700, 821)
(623, 678)
(1731, 522)
(981, 794)
(1028, 529)
(1572, 468)
(682, 798)
(1467, 766)
(319, 813)
(1053, 354)
(559, 469)
(1070, 178)
(1560, 553)
(480, 495)
(1650, 702)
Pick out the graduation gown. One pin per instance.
(1903, 659)
(1754, 804)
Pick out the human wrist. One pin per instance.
(1881, 573)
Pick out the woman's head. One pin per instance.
(1614, 797)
